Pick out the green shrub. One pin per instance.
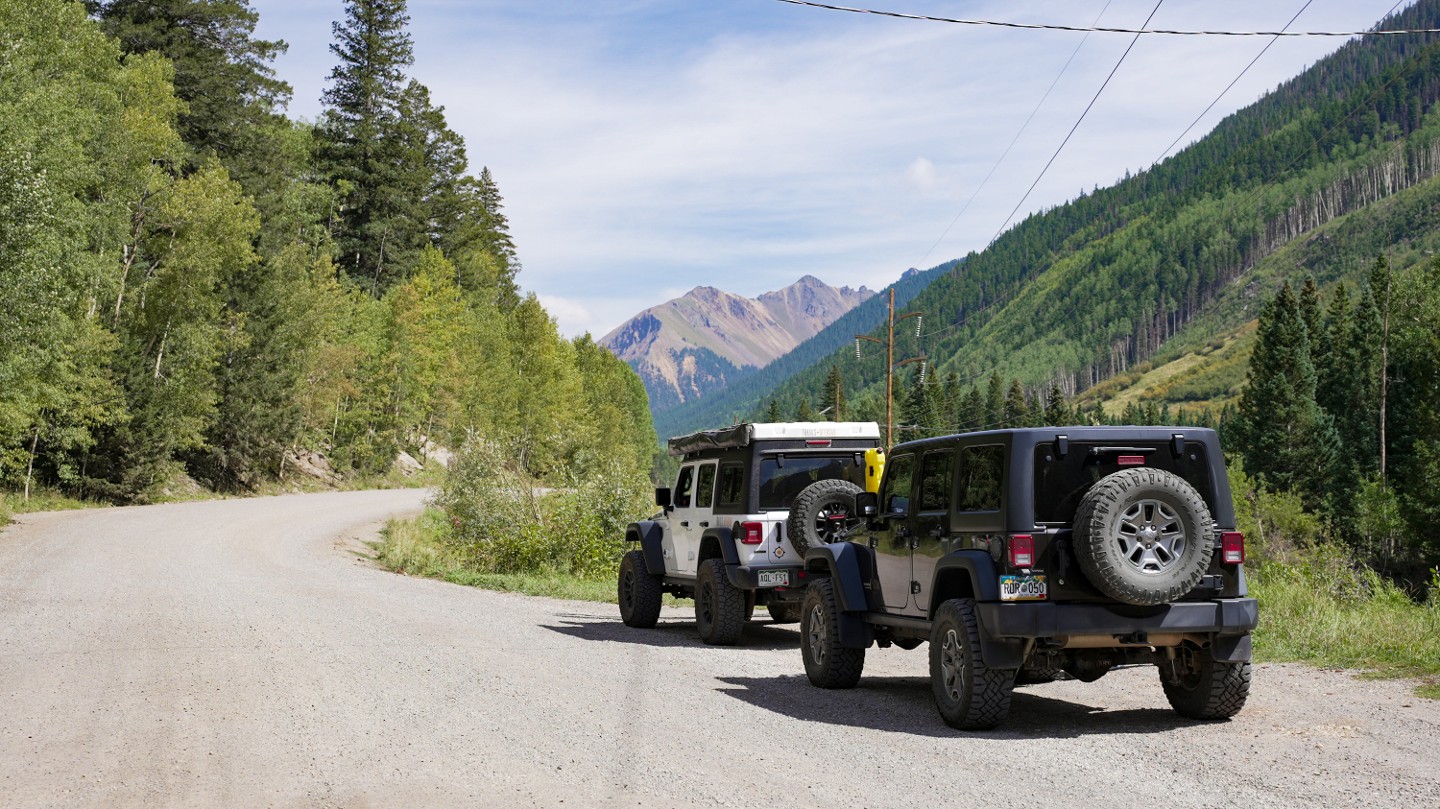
(502, 521)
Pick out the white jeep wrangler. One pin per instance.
(733, 531)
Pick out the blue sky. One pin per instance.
(645, 147)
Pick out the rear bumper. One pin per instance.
(1227, 616)
(746, 577)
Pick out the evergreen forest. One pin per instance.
(200, 288)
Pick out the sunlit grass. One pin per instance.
(43, 499)
(412, 546)
(1341, 619)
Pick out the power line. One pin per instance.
(1100, 30)
(1078, 121)
(1013, 141)
(1232, 83)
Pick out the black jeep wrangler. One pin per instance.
(1023, 553)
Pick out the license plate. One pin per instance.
(1023, 588)
(774, 578)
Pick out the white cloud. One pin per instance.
(648, 146)
(921, 174)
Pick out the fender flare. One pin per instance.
(649, 534)
(979, 569)
(847, 566)
(725, 539)
(847, 569)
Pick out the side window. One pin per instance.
(705, 490)
(896, 495)
(982, 475)
(683, 485)
(732, 484)
(935, 481)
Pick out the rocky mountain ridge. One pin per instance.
(690, 345)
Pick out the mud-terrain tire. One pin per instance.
(783, 612)
(719, 605)
(1143, 536)
(827, 663)
(823, 512)
(1200, 687)
(968, 694)
(639, 592)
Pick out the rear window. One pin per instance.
(1060, 483)
(780, 485)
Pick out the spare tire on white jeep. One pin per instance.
(822, 513)
(1144, 536)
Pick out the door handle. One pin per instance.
(684, 523)
(704, 523)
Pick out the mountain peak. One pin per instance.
(661, 343)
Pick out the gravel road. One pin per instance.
(240, 653)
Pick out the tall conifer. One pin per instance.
(1283, 434)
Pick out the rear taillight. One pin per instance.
(1022, 550)
(1130, 460)
(1232, 547)
(752, 533)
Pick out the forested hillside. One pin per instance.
(1314, 181)
(196, 283)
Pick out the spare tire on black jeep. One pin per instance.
(1144, 536)
(824, 512)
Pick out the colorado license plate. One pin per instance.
(774, 578)
(1023, 588)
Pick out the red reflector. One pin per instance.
(817, 442)
(1232, 547)
(1022, 551)
(1131, 460)
(752, 533)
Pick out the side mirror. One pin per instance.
(867, 504)
(662, 497)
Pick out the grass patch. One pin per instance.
(44, 499)
(1316, 613)
(412, 546)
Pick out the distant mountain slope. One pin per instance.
(691, 345)
(744, 393)
(1164, 260)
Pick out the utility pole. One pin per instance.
(890, 364)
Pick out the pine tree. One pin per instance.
(994, 402)
(832, 396)
(1056, 409)
(233, 101)
(772, 411)
(950, 402)
(1283, 434)
(972, 413)
(369, 149)
(803, 412)
(919, 409)
(1016, 412)
(1310, 315)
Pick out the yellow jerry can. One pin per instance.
(874, 469)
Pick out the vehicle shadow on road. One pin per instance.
(759, 635)
(904, 705)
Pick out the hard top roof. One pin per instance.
(742, 435)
